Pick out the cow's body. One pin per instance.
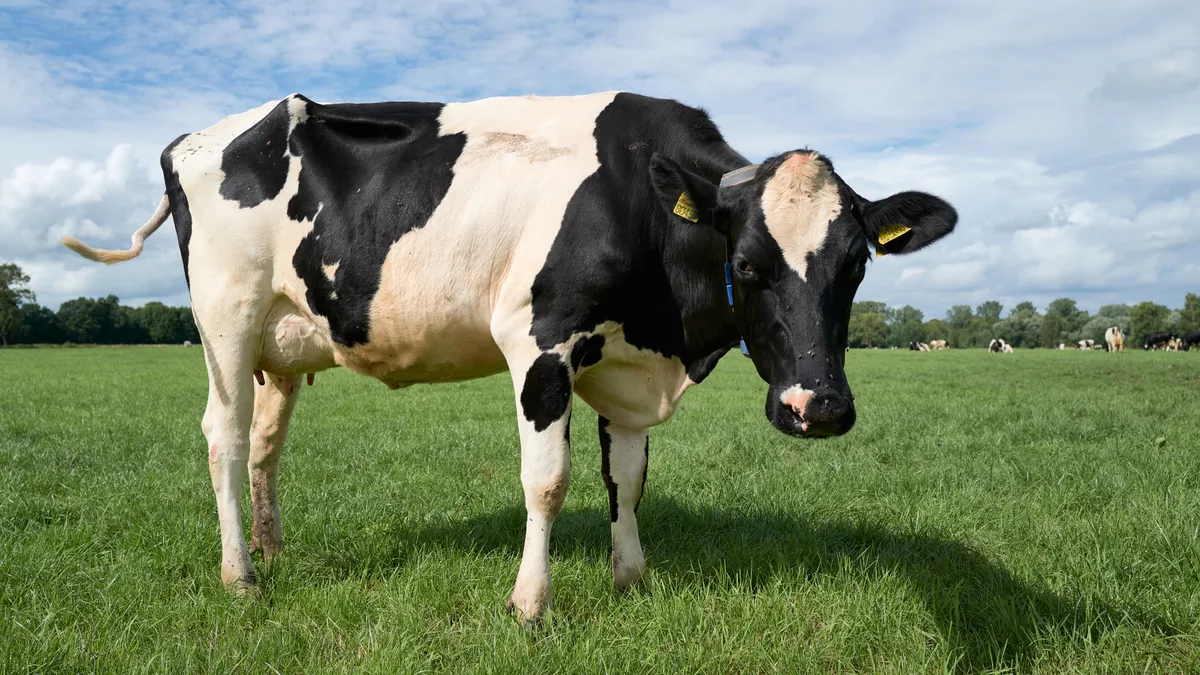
(1189, 340)
(1114, 339)
(1086, 345)
(581, 243)
(999, 346)
(918, 346)
(1158, 340)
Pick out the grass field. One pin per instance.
(989, 512)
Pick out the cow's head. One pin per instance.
(799, 240)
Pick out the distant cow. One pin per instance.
(1061, 346)
(1190, 339)
(1086, 344)
(1173, 344)
(938, 344)
(999, 346)
(918, 346)
(187, 343)
(1114, 339)
(1157, 340)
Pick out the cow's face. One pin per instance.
(799, 240)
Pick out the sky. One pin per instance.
(1067, 134)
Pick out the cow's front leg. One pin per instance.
(623, 459)
(544, 386)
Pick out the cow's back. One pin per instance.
(396, 238)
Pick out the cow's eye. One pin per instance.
(743, 266)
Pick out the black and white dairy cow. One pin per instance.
(580, 243)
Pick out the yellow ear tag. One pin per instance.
(888, 233)
(684, 208)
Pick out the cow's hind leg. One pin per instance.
(230, 331)
(274, 401)
(623, 460)
(544, 389)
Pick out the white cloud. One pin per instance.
(1065, 133)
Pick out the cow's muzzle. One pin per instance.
(811, 414)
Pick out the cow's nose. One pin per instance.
(828, 414)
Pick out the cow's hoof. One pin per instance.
(628, 569)
(266, 545)
(530, 614)
(244, 588)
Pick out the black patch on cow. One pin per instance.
(370, 173)
(617, 257)
(606, 469)
(547, 391)
(180, 212)
(587, 352)
(256, 163)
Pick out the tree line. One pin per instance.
(86, 320)
(874, 324)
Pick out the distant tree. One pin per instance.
(39, 325)
(989, 311)
(868, 325)
(1189, 316)
(1052, 329)
(161, 324)
(1173, 320)
(1071, 318)
(90, 320)
(1107, 317)
(1147, 318)
(904, 326)
(959, 324)
(1022, 327)
(14, 292)
(934, 329)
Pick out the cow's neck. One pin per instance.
(694, 260)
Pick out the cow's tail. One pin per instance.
(109, 257)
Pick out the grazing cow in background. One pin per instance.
(918, 346)
(1189, 340)
(1157, 340)
(999, 346)
(938, 344)
(1061, 346)
(610, 245)
(1173, 344)
(1086, 345)
(1114, 339)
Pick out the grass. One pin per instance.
(988, 513)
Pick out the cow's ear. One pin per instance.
(683, 194)
(907, 221)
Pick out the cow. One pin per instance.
(1086, 345)
(1158, 340)
(1114, 339)
(938, 344)
(999, 346)
(1061, 346)
(608, 245)
(1189, 340)
(1173, 344)
(918, 347)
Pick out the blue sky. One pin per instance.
(1066, 133)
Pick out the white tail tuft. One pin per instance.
(109, 257)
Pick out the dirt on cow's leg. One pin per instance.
(273, 406)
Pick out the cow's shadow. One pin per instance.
(992, 619)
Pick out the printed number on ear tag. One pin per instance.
(684, 208)
(889, 233)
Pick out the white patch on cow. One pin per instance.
(799, 203)
(330, 271)
(455, 295)
(632, 387)
(797, 397)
